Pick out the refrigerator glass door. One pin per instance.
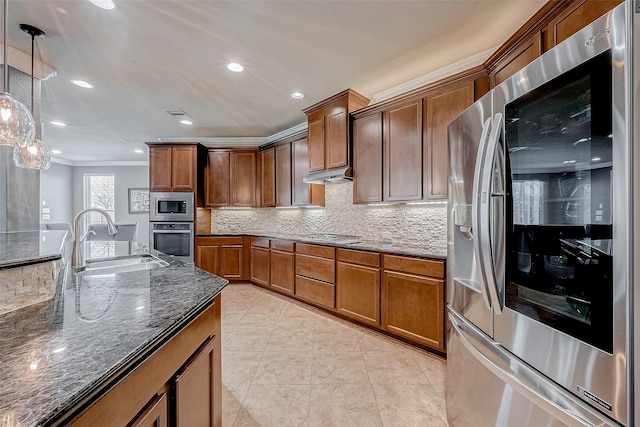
(567, 175)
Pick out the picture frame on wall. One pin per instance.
(138, 200)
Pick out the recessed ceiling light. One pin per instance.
(297, 95)
(56, 152)
(186, 122)
(82, 83)
(138, 151)
(58, 124)
(104, 4)
(596, 159)
(233, 66)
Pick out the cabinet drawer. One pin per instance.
(424, 267)
(316, 291)
(281, 245)
(223, 240)
(260, 242)
(371, 259)
(315, 250)
(316, 268)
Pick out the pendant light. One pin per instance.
(34, 154)
(16, 122)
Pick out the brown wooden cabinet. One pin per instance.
(222, 256)
(367, 159)
(315, 274)
(283, 174)
(403, 152)
(173, 168)
(268, 177)
(178, 384)
(328, 130)
(413, 300)
(303, 194)
(517, 59)
(440, 108)
(260, 260)
(231, 178)
(358, 285)
(282, 266)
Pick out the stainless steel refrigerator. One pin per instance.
(542, 200)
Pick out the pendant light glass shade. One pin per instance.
(17, 126)
(34, 155)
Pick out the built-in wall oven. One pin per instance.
(171, 224)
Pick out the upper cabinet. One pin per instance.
(283, 174)
(268, 175)
(232, 178)
(400, 149)
(328, 130)
(173, 168)
(511, 63)
(303, 194)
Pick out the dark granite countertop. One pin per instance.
(418, 249)
(55, 354)
(30, 247)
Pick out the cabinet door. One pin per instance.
(183, 168)
(196, 398)
(208, 258)
(260, 266)
(413, 307)
(516, 60)
(300, 190)
(160, 168)
(315, 133)
(439, 110)
(231, 262)
(217, 183)
(358, 292)
(155, 415)
(336, 137)
(283, 271)
(268, 181)
(283, 175)
(403, 152)
(367, 159)
(243, 178)
(575, 18)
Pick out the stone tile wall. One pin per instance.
(31, 284)
(406, 223)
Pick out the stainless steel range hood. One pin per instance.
(329, 176)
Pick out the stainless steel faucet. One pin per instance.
(77, 259)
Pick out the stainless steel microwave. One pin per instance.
(171, 207)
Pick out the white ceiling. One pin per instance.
(147, 57)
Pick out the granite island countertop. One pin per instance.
(55, 354)
(22, 248)
(419, 249)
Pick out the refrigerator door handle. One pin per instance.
(476, 224)
(523, 379)
(484, 214)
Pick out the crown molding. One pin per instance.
(98, 163)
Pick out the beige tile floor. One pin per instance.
(285, 363)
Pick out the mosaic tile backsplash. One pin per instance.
(406, 223)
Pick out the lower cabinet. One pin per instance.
(260, 261)
(180, 384)
(358, 285)
(316, 275)
(222, 256)
(283, 273)
(413, 300)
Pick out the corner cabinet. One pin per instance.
(173, 168)
(232, 178)
(328, 130)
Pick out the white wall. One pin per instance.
(421, 224)
(125, 177)
(56, 186)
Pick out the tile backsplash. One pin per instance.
(406, 223)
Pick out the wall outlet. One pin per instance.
(46, 216)
(45, 210)
(385, 235)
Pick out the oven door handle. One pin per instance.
(171, 231)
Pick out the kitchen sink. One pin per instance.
(121, 265)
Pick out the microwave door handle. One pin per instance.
(476, 225)
(485, 200)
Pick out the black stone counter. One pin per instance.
(419, 249)
(56, 354)
(30, 247)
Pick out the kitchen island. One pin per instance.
(111, 348)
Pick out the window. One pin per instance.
(99, 192)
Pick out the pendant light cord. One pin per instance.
(33, 38)
(4, 43)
